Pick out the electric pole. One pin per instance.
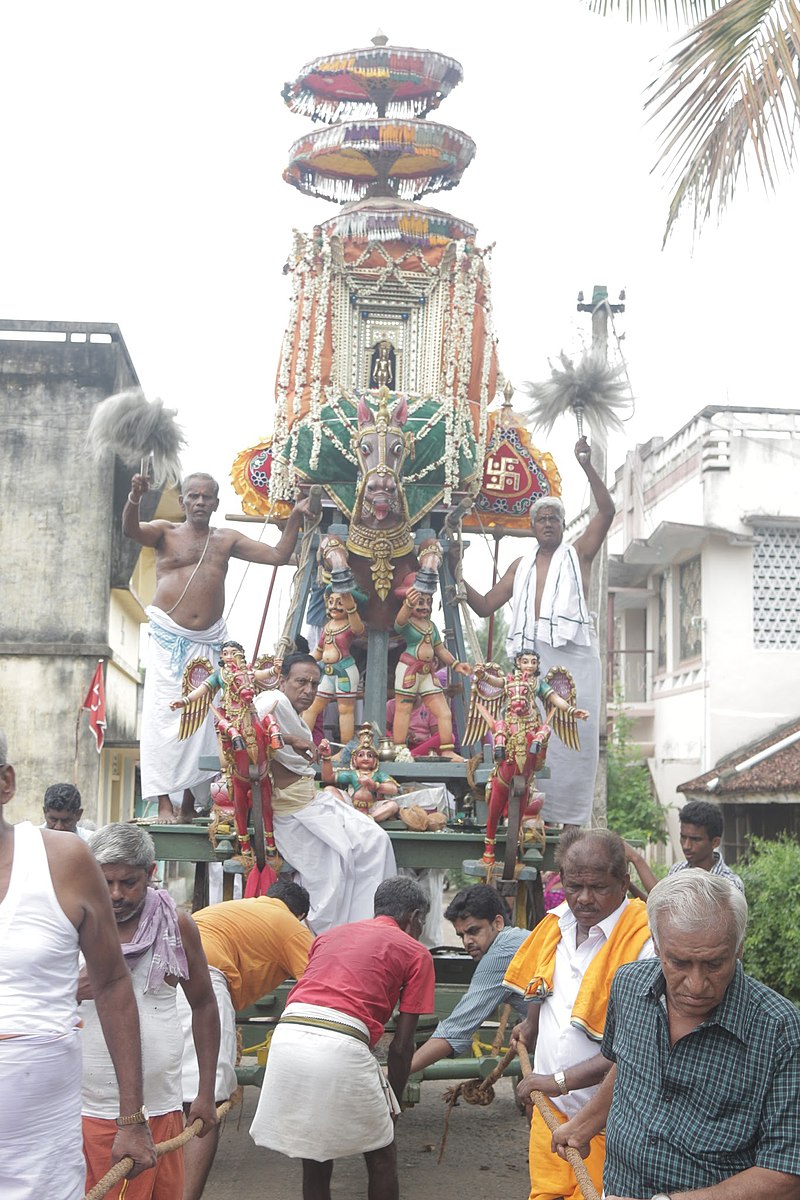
(598, 585)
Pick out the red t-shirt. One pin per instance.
(363, 969)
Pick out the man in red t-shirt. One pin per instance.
(325, 1095)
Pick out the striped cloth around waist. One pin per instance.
(326, 1023)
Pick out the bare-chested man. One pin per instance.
(53, 902)
(549, 615)
(186, 622)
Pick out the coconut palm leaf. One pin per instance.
(688, 11)
(729, 92)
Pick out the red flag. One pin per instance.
(95, 702)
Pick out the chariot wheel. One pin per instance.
(257, 818)
(516, 793)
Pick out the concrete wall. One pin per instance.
(719, 473)
(61, 552)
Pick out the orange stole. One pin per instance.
(531, 970)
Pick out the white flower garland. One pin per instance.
(281, 480)
(321, 309)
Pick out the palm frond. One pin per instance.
(134, 428)
(593, 390)
(731, 92)
(688, 11)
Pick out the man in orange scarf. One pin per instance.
(564, 970)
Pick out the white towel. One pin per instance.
(563, 616)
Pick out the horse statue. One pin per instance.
(379, 539)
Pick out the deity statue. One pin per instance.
(246, 742)
(382, 364)
(371, 789)
(415, 674)
(521, 734)
(339, 679)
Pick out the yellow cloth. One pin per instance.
(255, 943)
(551, 1176)
(531, 970)
(295, 795)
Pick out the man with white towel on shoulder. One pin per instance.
(549, 615)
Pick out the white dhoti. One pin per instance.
(324, 1094)
(225, 1084)
(569, 792)
(563, 636)
(167, 764)
(338, 854)
(40, 1096)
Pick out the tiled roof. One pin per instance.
(778, 773)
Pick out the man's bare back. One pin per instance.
(192, 557)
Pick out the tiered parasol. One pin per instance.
(391, 151)
(395, 79)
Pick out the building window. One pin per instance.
(691, 631)
(776, 575)
(661, 650)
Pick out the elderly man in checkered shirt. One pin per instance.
(704, 1098)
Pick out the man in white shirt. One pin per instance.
(339, 855)
(564, 970)
(62, 810)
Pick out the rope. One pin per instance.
(170, 611)
(312, 523)
(453, 525)
(497, 1044)
(571, 1154)
(121, 1169)
(482, 1094)
(473, 1091)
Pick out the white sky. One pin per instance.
(144, 144)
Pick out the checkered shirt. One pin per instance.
(724, 1098)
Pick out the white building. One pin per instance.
(704, 612)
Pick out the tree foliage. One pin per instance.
(771, 878)
(498, 654)
(728, 93)
(633, 807)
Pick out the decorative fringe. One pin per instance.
(133, 428)
(415, 228)
(337, 86)
(441, 156)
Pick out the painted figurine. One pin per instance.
(521, 734)
(415, 674)
(339, 678)
(372, 791)
(245, 742)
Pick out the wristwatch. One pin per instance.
(561, 1080)
(660, 1196)
(140, 1117)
